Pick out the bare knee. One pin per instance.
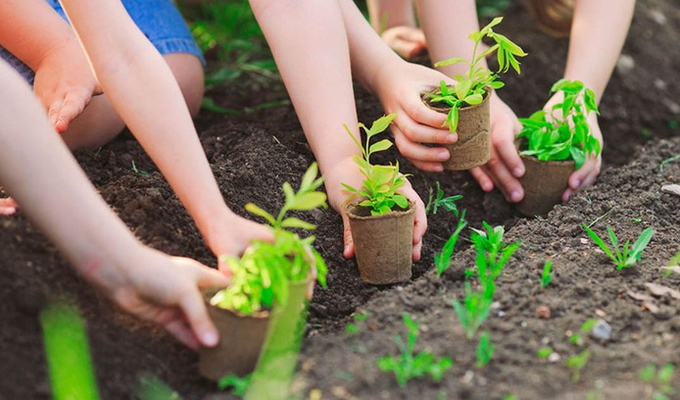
(188, 71)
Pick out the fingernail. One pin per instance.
(451, 138)
(438, 168)
(515, 196)
(577, 184)
(518, 172)
(444, 155)
(210, 339)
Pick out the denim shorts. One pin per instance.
(159, 20)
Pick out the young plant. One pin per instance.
(661, 380)
(239, 386)
(475, 308)
(492, 253)
(449, 203)
(261, 276)
(673, 264)
(485, 350)
(544, 352)
(442, 261)
(623, 257)
(379, 189)
(408, 365)
(586, 328)
(359, 320)
(546, 275)
(475, 85)
(576, 363)
(563, 133)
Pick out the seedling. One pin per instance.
(623, 257)
(546, 275)
(668, 161)
(475, 308)
(261, 276)
(673, 263)
(484, 350)
(138, 170)
(359, 320)
(637, 220)
(408, 365)
(492, 253)
(661, 380)
(239, 386)
(563, 132)
(442, 261)
(544, 352)
(472, 88)
(382, 181)
(586, 328)
(449, 203)
(576, 363)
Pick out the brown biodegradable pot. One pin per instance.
(383, 243)
(544, 182)
(473, 147)
(241, 340)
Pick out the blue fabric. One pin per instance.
(159, 20)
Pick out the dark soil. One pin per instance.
(253, 153)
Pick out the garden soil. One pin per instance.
(254, 152)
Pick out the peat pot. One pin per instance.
(473, 148)
(241, 340)
(544, 182)
(383, 243)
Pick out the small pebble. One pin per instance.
(543, 311)
(657, 16)
(671, 189)
(501, 314)
(554, 357)
(625, 64)
(602, 330)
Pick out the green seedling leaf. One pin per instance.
(576, 363)
(442, 260)
(237, 385)
(546, 276)
(293, 222)
(544, 352)
(639, 246)
(256, 210)
(484, 350)
(380, 146)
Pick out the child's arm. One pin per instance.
(598, 33)
(312, 55)
(144, 92)
(38, 170)
(34, 33)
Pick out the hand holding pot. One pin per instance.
(505, 166)
(399, 89)
(586, 175)
(347, 172)
(163, 289)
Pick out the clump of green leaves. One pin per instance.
(238, 385)
(544, 352)
(475, 308)
(576, 363)
(563, 133)
(442, 261)
(485, 350)
(471, 88)
(359, 320)
(546, 275)
(379, 189)
(624, 256)
(448, 203)
(261, 276)
(409, 365)
(661, 380)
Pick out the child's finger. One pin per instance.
(210, 278)
(420, 113)
(505, 181)
(181, 332)
(428, 166)
(417, 151)
(484, 180)
(419, 133)
(505, 149)
(72, 106)
(348, 251)
(193, 306)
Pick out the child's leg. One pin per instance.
(395, 21)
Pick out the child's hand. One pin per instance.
(586, 175)
(407, 41)
(505, 167)
(232, 236)
(166, 290)
(64, 83)
(399, 88)
(346, 171)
